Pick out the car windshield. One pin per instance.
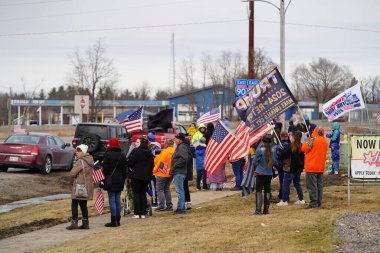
(24, 139)
(101, 131)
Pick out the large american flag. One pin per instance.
(242, 148)
(97, 172)
(99, 202)
(211, 116)
(219, 147)
(134, 121)
(256, 136)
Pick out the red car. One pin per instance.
(40, 151)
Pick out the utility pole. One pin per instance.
(173, 62)
(251, 39)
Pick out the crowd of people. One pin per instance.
(285, 154)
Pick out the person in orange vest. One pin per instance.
(315, 150)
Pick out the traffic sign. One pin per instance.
(82, 103)
(247, 82)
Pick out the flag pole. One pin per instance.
(304, 121)
(278, 139)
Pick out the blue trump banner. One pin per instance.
(266, 101)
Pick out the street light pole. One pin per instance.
(282, 38)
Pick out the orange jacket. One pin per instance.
(166, 158)
(315, 156)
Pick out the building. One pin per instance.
(189, 105)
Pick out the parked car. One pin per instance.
(96, 136)
(40, 151)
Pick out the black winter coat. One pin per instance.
(182, 161)
(114, 159)
(141, 162)
(296, 159)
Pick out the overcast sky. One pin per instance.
(142, 52)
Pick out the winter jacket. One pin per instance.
(262, 164)
(296, 159)
(200, 153)
(278, 159)
(198, 135)
(315, 154)
(81, 177)
(335, 137)
(165, 157)
(181, 158)
(141, 162)
(115, 160)
(209, 132)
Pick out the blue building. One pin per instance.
(188, 105)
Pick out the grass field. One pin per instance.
(224, 225)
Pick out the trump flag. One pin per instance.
(347, 101)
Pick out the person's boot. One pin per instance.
(259, 202)
(112, 223)
(85, 224)
(266, 203)
(118, 220)
(74, 225)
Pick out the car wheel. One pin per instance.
(3, 169)
(92, 141)
(46, 167)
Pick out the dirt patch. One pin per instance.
(23, 184)
(29, 227)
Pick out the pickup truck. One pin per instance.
(162, 134)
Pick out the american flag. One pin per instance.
(219, 147)
(211, 116)
(242, 148)
(99, 202)
(256, 136)
(97, 172)
(134, 121)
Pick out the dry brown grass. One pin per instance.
(225, 225)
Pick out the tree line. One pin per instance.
(94, 74)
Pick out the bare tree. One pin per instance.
(142, 93)
(93, 72)
(205, 65)
(263, 64)
(370, 87)
(322, 79)
(162, 95)
(187, 74)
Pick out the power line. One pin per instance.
(178, 25)
(33, 3)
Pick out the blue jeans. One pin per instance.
(114, 201)
(178, 182)
(288, 178)
(238, 167)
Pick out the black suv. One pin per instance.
(96, 136)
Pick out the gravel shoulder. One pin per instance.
(358, 232)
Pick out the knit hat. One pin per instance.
(113, 143)
(83, 147)
(152, 136)
(180, 136)
(202, 142)
(267, 138)
(284, 135)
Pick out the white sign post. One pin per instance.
(81, 105)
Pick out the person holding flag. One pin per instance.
(114, 169)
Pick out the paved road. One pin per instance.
(58, 234)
